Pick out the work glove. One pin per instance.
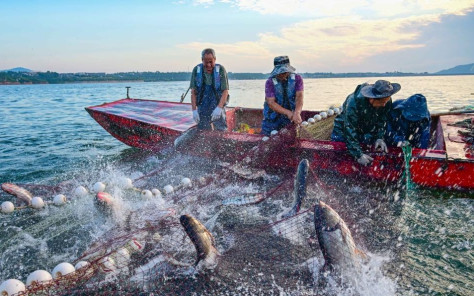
(196, 116)
(364, 159)
(381, 144)
(216, 114)
(403, 143)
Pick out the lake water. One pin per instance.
(46, 137)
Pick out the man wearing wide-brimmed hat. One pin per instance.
(409, 123)
(283, 96)
(364, 118)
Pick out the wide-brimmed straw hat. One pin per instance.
(282, 65)
(380, 89)
(414, 108)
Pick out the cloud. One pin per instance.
(328, 43)
(338, 41)
(334, 8)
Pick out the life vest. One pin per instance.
(199, 81)
(268, 113)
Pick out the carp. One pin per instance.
(203, 241)
(23, 195)
(299, 189)
(335, 240)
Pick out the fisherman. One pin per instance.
(409, 123)
(283, 96)
(210, 91)
(364, 118)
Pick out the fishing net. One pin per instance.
(262, 259)
(406, 177)
(259, 252)
(320, 130)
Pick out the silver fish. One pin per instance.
(335, 240)
(22, 194)
(202, 239)
(185, 139)
(244, 200)
(299, 189)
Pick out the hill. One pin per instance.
(461, 69)
(17, 70)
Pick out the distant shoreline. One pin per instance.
(30, 78)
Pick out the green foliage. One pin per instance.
(11, 77)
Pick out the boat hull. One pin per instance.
(154, 125)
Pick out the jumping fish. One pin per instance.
(185, 139)
(203, 241)
(335, 240)
(22, 194)
(299, 189)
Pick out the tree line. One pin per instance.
(49, 77)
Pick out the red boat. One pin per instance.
(153, 125)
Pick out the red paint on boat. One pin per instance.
(154, 125)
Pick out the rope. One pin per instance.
(406, 177)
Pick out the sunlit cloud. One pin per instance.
(333, 39)
(329, 43)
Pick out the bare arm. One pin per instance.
(296, 116)
(193, 99)
(223, 99)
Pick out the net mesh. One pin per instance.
(258, 251)
(255, 258)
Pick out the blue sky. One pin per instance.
(318, 36)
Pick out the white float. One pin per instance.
(81, 264)
(265, 138)
(274, 132)
(146, 194)
(317, 117)
(323, 114)
(311, 120)
(107, 264)
(98, 187)
(37, 202)
(38, 277)
(7, 207)
(304, 123)
(202, 181)
(330, 112)
(337, 111)
(186, 182)
(12, 287)
(168, 189)
(80, 191)
(125, 183)
(156, 193)
(156, 237)
(63, 269)
(121, 257)
(59, 200)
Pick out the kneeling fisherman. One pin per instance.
(364, 118)
(409, 123)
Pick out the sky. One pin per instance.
(168, 36)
